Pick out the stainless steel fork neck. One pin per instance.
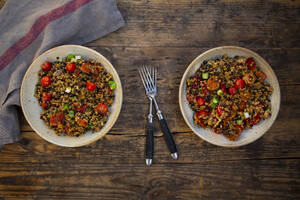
(158, 112)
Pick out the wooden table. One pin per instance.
(170, 34)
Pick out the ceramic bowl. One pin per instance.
(32, 109)
(247, 136)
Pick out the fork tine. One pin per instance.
(145, 80)
(149, 78)
(142, 79)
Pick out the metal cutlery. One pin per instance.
(149, 79)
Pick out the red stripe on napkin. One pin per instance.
(39, 25)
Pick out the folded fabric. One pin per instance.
(28, 28)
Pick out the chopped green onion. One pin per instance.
(215, 100)
(70, 56)
(220, 92)
(213, 106)
(239, 122)
(219, 69)
(205, 75)
(71, 114)
(112, 85)
(89, 126)
(66, 106)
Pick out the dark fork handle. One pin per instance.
(149, 143)
(168, 137)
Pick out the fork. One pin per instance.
(149, 127)
(149, 82)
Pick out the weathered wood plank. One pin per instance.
(257, 24)
(263, 179)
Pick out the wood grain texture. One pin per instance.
(170, 34)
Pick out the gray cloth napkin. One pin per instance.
(29, 27)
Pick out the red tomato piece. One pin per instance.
(232, 90)
(57, 119)
(47, 66)
(251, 63)
(46, 96)
(46, 81)
(239, 83)
(200, 101)
(102, 108)
(82, 122)
(239, 127)
(190, 97)
(90, 86)
(71, 67)
(219, 110)
(44, 104)
(256, 119)
(201, 122)
(85, 67)
(82, 108)
(202, 113)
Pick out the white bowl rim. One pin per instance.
(182, 82)
(107, 129)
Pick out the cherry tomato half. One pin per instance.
(219, 110)
(82, 122)
(256, 119)
(47, 66)
(102, 108)
(46, 96)
(71, 67)
(190, 97)
(251, 63)
(239, 127)
(232, 90)
(200, 101)
(202, 113)
(57, 119)
(90, 86)
(82, 108)
(239, 83)
(44, 104)
(46, 81)
(85, 67)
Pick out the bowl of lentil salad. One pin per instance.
(88, 118)
(249, 127)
